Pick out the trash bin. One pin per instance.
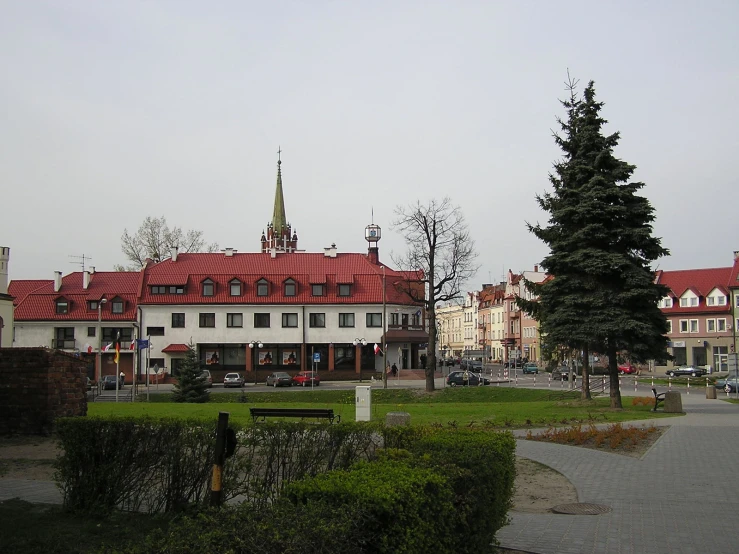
(711, 392)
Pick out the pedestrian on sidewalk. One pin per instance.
(395, 370)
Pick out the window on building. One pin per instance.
(374, 320)
(290, 288)
(721, 325)
(346, 320)
(710, 325)
(159, 289)
(117, 306)
(207, 320)
(395, 319)
(721, 300)
(234, 320)
(262, 287)
(289, 320)
(177, 290)
(261, 320)
(711, 301)
(345, 290)
(91, 331)
(416, 320)
(669, 326)
(155, 331)
(62, 306)
(684, 326)
(317, 320)
(92, 305)
(234, 287)
(64, 333)
(110, 334)
(156, 363)
(178, 320)
(316, 290)
(693, 325)
(208, 288)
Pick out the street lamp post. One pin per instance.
(99, 361)
(356, 342)
(255, 344)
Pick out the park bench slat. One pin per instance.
(318, 413)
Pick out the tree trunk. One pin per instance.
(613, 376)
(586, 374)
(431, 349)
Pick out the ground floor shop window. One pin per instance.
(681, 355)
(721, 358)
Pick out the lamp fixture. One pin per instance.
(256, 343)
(361, 341)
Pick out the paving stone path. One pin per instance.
(682, 496)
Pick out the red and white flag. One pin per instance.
(108, 347)
(88, 348)
(377, 349)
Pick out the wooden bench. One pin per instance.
(317, 413)
(657, 398)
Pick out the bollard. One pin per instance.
(515, 376)
(550, 380)
(669, 383)
(534, 379)
(652, 381)
(604, 384)
(562, 382)
(688, 385)
(635, 384)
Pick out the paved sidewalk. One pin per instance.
(676, 498)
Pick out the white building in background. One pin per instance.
(6, 301)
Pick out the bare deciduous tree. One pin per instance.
(441, 256)
(155, 240)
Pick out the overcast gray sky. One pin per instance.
(117, 110)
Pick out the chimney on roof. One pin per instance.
(4, 259)
(57, 281)
(536, 269)
(85, 279)
(736, 255)
(92, 270)
(331, 251)
(273, 252)
(229, 252)
(174, 253)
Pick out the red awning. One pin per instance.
(176, 348)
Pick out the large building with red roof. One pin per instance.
(279, 308)
(701, 310)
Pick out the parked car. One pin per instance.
(626, 368)
(729, 384)
(233, 380)
(110, 382)
(562, 374)
(531, 368)
(686, 370)
(449, 362)
(279, 379)
(466, 378)
(305, 378)
(208, 379)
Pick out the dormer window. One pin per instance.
(290, 288)
(666, 302)
(208, 288)
(263, 287)
(316, 290)
(116, 306)
(345, 290)
(688, 301)
(62, 306)
(92, 305)
(234, 287)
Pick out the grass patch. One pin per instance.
(476, 406)
(29, 528)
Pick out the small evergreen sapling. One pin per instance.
(191, 385)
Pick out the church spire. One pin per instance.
(280, 236)
(279, 221)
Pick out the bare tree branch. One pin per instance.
(155, 240)
(440, 259)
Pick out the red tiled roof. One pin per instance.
(40, 303)
(19, 289)
(702, 282)
(305, 268)
(176, 348)
(734, 275)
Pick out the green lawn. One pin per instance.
(494, 406)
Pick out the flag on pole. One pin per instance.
(107, 347)
(133, 345)
(142, 343)
(88, 348)
(117, 348)
(377, 349)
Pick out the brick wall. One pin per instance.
(38, 385)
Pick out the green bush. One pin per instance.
(402, 508)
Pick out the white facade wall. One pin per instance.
(41, 333)
(6, 314)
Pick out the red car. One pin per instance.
(626, 368)
(306, 378)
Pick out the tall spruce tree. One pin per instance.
(602, 296)
(191, 385)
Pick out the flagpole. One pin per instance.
(148, 350)
(135, 345)
(385, 362)
(117, 364)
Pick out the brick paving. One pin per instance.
(679, 497)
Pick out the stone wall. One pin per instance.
(38, 385)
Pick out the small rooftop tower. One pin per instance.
(372, 234)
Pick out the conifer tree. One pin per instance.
(191, 385)
(602, 296)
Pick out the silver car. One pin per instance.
(233, 380)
